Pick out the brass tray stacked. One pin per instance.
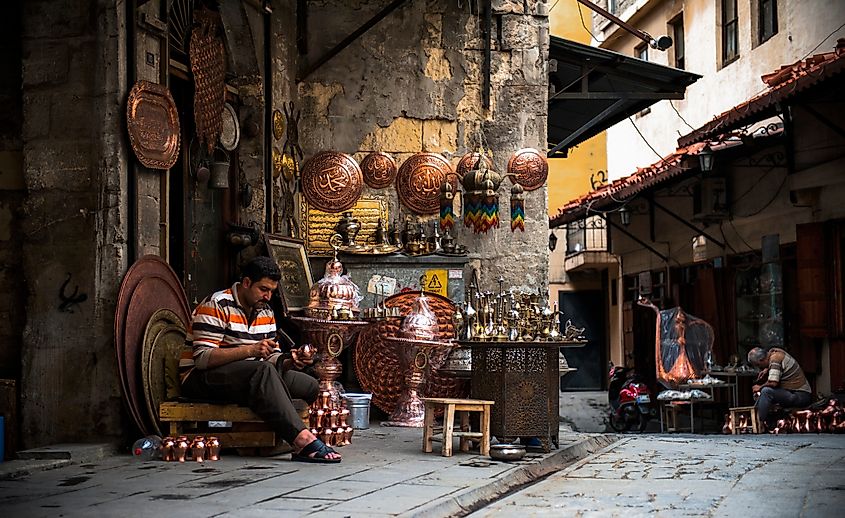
(377, 365)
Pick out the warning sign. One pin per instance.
(436, 281)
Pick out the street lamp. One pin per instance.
(625, 215)
(552, 241)
(705, 159)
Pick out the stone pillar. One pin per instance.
(74, 219)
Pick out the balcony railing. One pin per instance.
(586, 235)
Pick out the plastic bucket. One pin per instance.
(359, 410)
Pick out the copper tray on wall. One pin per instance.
(530, 167)
(153, 124)
(418, 182)
(379, 170)
(377, 364)
(332, 181)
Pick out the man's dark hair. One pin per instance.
(261, 267)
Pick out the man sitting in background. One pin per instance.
(785, 384)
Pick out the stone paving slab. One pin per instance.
(693, 475)
(383, 473)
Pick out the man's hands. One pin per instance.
(756, 388)
(263, 349)
(303, 356)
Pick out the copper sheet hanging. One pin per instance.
(379, 170)
(209, 69)
(147, 269)
(332, 181)
(377, 365)
(418, 182)
(470, 161)
(530, 167)
(153, 124)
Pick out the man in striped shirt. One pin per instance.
(235, 359)
(785, 383)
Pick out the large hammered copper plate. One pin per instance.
(153, 124)
(147, 268)
(418, 182)
(332, 181)
(530, 167)
(469, 162)
(379, 170)
(377, 364)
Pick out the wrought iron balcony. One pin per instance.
(586, 235)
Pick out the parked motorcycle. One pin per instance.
(629, 398)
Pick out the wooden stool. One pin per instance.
(446, 432)
(736, 412)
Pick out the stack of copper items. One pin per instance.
(830, 419)
(198, 449)
(328, 421)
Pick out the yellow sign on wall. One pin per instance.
(436, 281)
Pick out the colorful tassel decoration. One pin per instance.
(517, 208)
(472, 211)
(447, 210)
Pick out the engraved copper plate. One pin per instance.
(230, 131)
(419, 180)
(153, 124)
(379, 170)
(470, 161)
(332, 181)
(530, 167)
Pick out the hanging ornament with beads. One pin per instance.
(517, 208)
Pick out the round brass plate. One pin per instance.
(230, 132)
(470, 161)
(278, 125)
(530, 167)
(332, 181)
(379, 170)
(418, 182)
(153, 124)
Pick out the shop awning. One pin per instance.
(591, 89)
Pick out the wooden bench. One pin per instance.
(249, 433)
(447, 432)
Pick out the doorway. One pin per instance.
(585, 308)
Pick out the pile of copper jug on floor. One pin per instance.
(823, 417)
(329, 421)
(198, 449)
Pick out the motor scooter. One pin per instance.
(629, 398)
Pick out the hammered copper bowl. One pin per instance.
(507, 452)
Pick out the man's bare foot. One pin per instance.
(305, 438)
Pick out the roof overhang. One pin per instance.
(592, 89)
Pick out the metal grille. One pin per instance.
(586, 235)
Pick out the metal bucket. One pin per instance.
(359, 410)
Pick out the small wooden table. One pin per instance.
(446, 433)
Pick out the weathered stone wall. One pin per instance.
(414, 83)
(12, 293)
(74, 217)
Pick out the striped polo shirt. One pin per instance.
(220, 321)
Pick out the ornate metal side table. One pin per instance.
(523, 379)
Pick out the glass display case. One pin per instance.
(759, 308)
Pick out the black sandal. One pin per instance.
(320, 451)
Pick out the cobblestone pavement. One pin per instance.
(661, 475)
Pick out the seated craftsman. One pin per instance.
(235, 359)
(785, 384)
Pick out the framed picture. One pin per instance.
(296, 280)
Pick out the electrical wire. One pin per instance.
(552, 8)
(731, 223)
(725, 238)
(581, 15)
(647, 143)
(681, 116)
(764, 207)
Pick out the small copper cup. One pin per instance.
(198, 448)
(213, 448)
(167, 445)
(344, 416)
(181, 448)
(333, 418)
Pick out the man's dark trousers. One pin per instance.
(259, 386)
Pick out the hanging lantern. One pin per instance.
(481, 203)
(517, 208)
